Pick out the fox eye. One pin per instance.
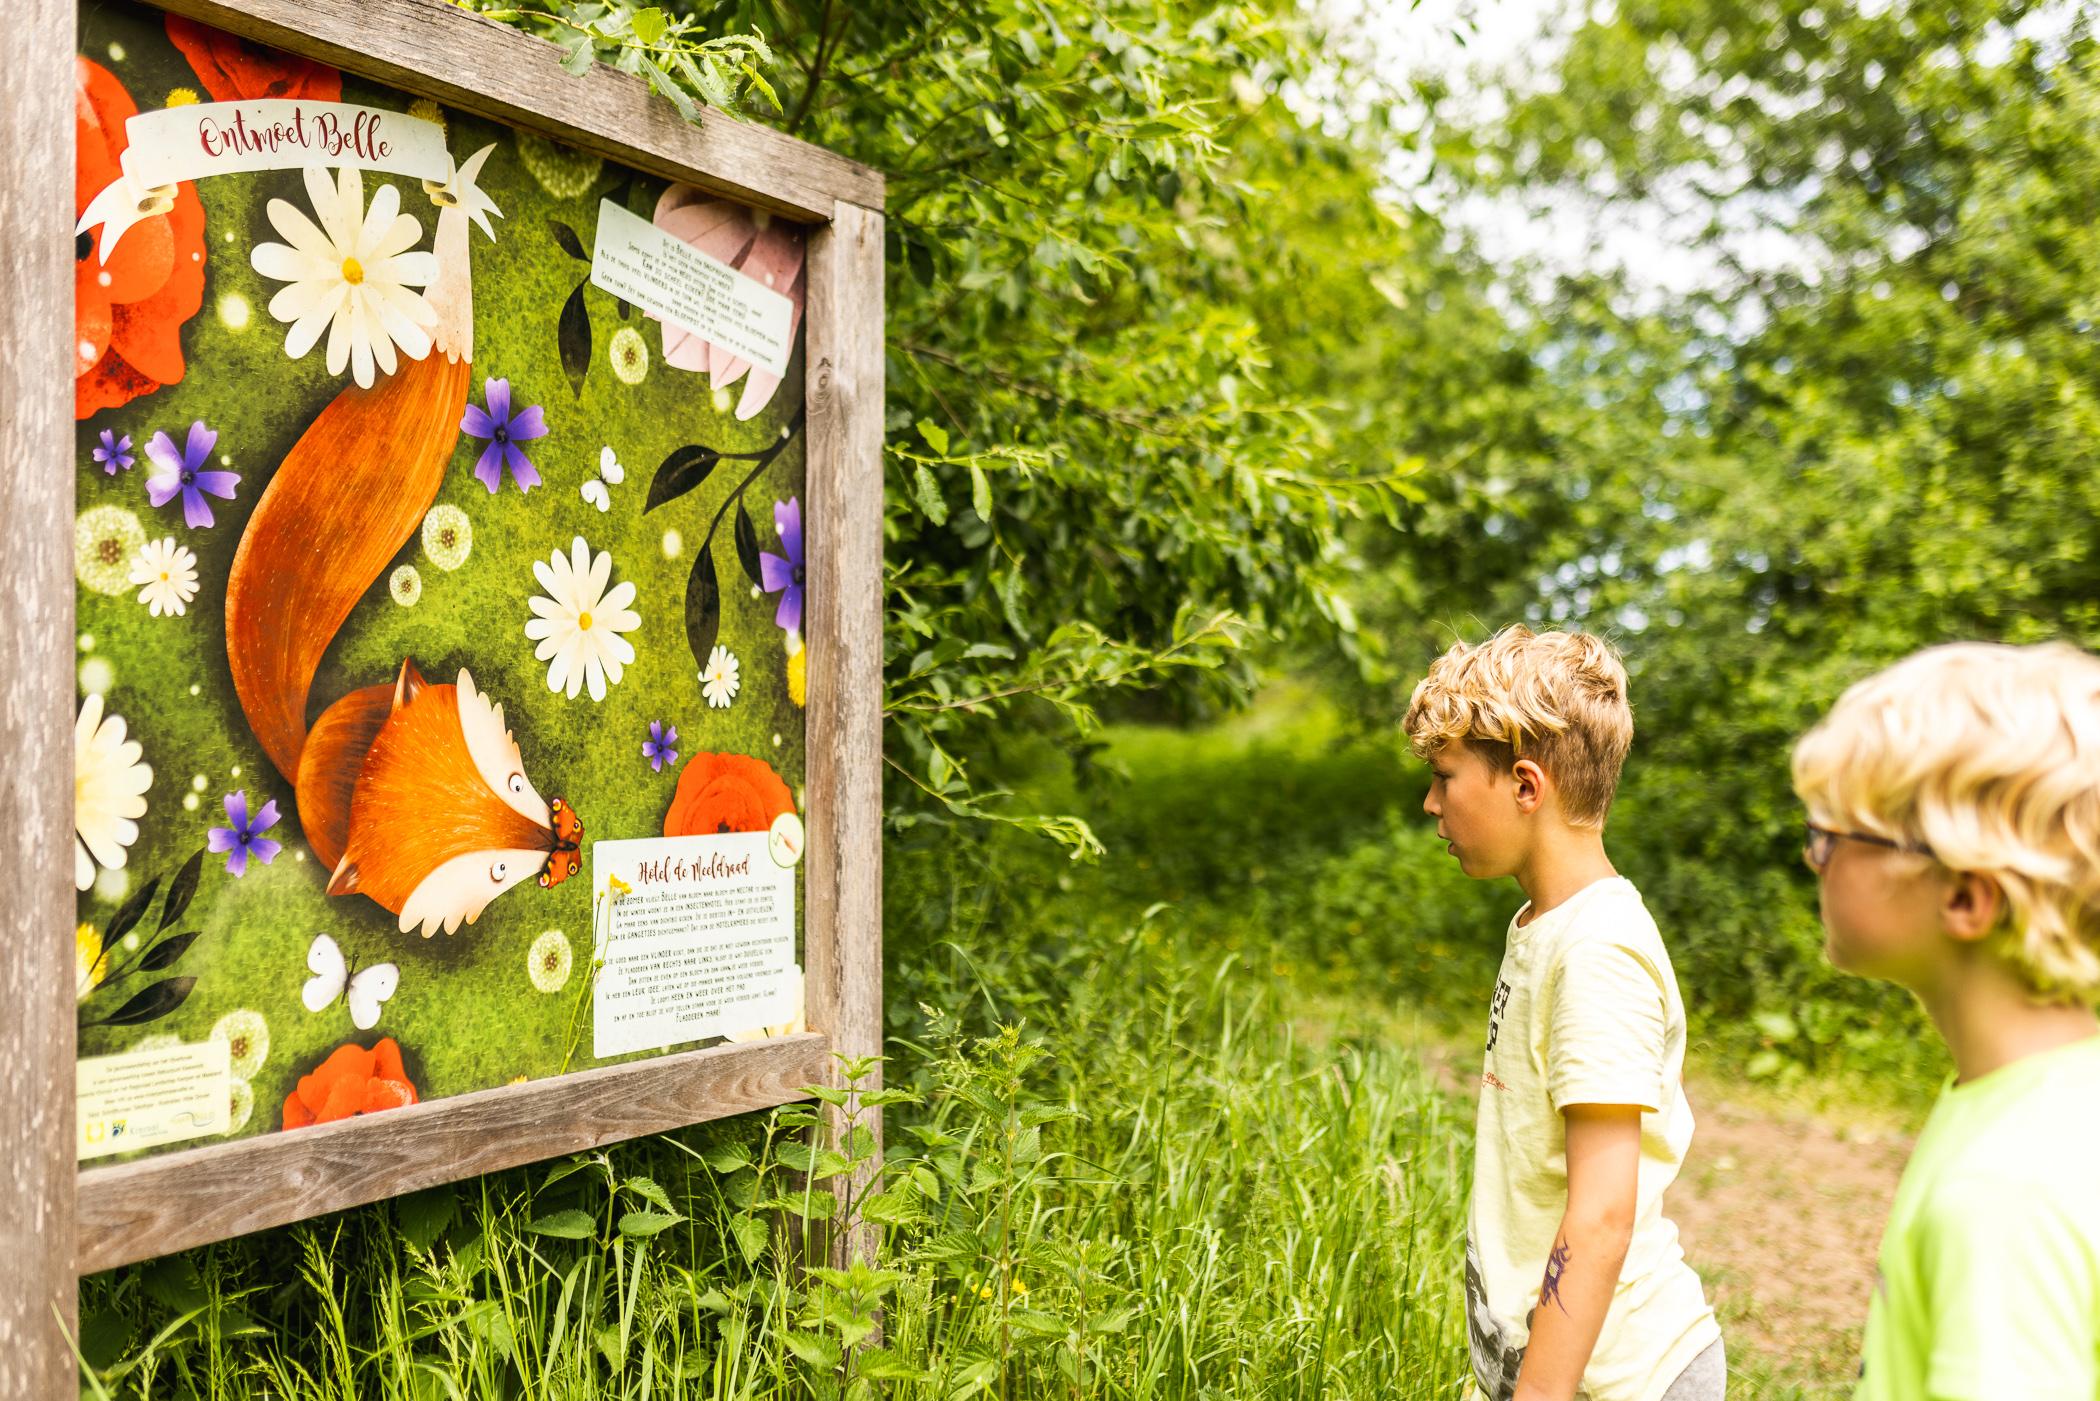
(498, 871)
(517, 784)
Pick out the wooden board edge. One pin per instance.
(486, 67)
(174, 1201)
(37, 976)
(843, 922)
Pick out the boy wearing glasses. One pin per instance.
(1954, 820)
(1575, 1283)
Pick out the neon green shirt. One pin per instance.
(1990, 1267)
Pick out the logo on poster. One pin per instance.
(784, 840)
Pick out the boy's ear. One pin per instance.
(1530, 781)
(1971, 906)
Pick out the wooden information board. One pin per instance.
(446, 508)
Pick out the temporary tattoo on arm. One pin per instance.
(1556, 1266)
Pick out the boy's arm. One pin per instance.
(1604, 1158)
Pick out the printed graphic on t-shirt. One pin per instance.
(1496, 1359)
(1496, 1009)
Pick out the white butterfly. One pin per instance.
(332, 978)
(612, 474)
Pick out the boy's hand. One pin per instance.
(1604, 1159)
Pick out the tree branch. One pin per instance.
(825, 48)
(1123, 418)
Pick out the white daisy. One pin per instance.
(579, 621)
(350, 276)
(109, 788)
(169, 573)
(718, 681)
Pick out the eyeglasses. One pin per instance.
(1822, 840)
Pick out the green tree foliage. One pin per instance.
(1123, 247)
(1880, 440)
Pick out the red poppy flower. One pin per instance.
(350, 1082)
(128, 313)
(726, 793)
(234, 70)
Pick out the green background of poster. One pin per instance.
(466, 1015)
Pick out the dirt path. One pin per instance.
(1780, 1210)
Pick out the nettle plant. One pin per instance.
(663, 48)
(975, 1284)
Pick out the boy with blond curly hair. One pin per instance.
(1575, 1283)
(1954, 820)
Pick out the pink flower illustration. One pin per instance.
(770, 251)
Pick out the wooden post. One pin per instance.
(842, 929)
(37, 1314)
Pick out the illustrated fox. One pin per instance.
(411, 794)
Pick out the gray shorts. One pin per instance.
(1705, 1378)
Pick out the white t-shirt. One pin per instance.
(1585, 1011)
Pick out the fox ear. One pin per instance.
(408, 684)
(344, 881)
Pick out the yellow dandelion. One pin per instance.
(90, 960)
(798, 678)
(618, 886)
(423, 109)
(182, 97)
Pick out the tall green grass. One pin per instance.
(1158, 1133)
(1115, 1171)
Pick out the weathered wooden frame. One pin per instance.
(58, 1221)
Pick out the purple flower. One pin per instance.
(657, 749)
(504, 433)
(183, 474)
(114, 454)
(243, 839)
(784, 576)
